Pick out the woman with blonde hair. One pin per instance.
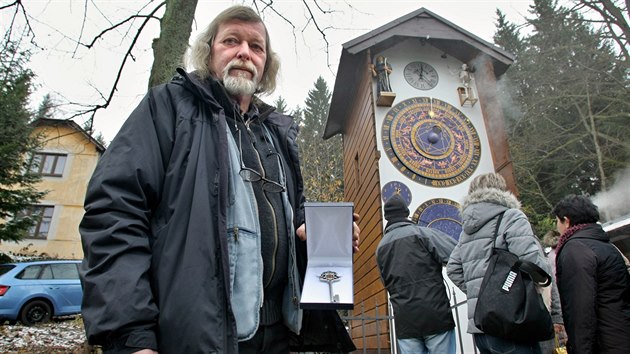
(487, 198)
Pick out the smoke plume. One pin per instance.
(615, 202)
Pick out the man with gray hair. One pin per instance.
(193, 233)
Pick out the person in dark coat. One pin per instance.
(410, 260)
(193, 234)
(593, 281)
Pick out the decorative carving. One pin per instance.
(381, 70)
(466, 92)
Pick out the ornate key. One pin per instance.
(330, 277)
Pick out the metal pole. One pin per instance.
(459, 327)
(363, 324)
(378, 330)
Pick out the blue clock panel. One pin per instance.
(431, 142)
(396, 187)
(440, 213)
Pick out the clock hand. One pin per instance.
(419, 74)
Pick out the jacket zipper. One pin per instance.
(273, 213)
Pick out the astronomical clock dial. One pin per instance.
(431, 142)
(395, 187)
(421, 75)
(441, 214)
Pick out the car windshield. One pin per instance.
(5, 268)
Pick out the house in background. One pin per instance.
(66, 161)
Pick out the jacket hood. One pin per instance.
(484, 204)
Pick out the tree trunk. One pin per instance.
(169, 48)
(592, 128)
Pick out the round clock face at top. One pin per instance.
(441, 214)
(421, 75)
(431, 142)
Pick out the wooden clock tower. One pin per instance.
(416, 103)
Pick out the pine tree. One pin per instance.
(17, 191)
(46, 108)
(281, 105)
(322, 161)
(507, 35)
(570, 87)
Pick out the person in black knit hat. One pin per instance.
(396, 209)
(410, 259)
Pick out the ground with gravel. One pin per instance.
(62, 336)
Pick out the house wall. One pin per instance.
(65, 193)
(448, 68)
(485, 116)
(362, 187)
(367, 170)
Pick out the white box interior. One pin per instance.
(329, 248)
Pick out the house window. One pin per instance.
(42, 214)
(48, 164)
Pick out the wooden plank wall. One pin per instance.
(362, 186)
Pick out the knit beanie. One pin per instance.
(396, 209)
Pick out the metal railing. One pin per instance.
(364, 319)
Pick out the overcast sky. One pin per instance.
(79, 75)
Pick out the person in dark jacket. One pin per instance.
(487, 198)
(593, 281)
(410, 260)
(193, 234)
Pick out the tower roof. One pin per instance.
(426, 27)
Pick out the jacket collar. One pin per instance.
(397, 223)
(584, 231)
(213, 92)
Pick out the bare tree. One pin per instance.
(169, 48)
(612, 18)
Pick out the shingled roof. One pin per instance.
(72, 125)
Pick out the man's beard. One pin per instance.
(240, 85)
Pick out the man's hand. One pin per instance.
(560, 333)
(146, 351)
(301, 232)
(356, 231)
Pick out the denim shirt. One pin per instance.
(244, 247)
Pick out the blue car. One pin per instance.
(34, 292)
